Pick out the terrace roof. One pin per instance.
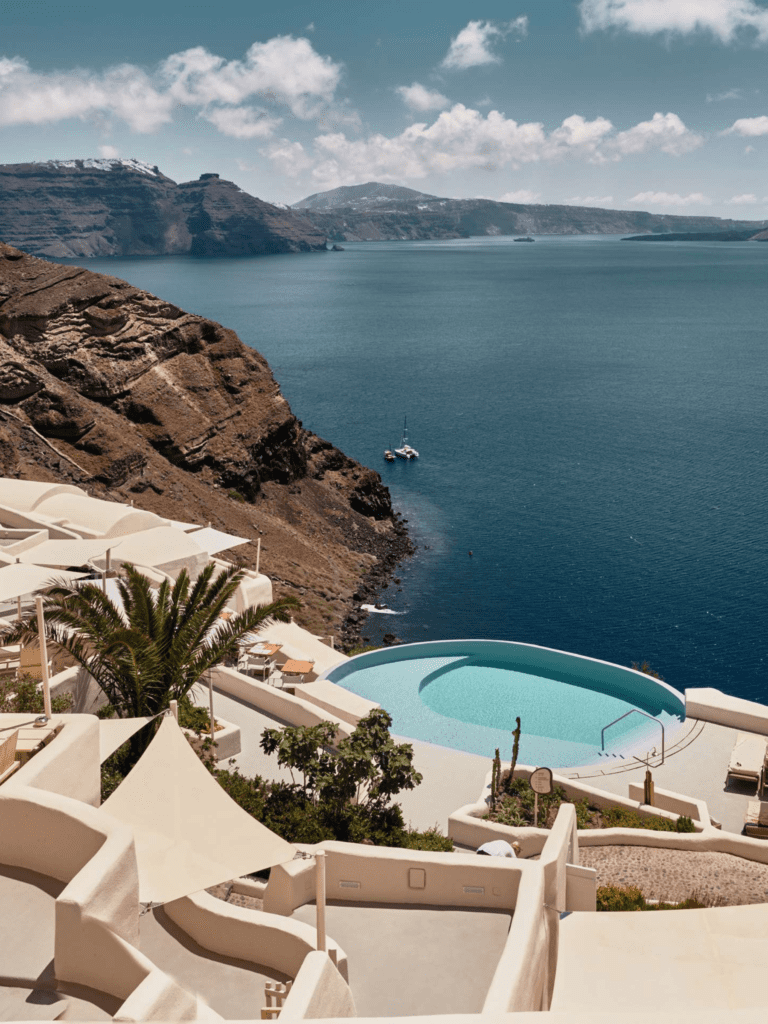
(189, 833)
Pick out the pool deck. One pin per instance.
(695, 767)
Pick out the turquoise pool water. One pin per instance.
(466, 694)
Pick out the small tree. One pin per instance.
(368, 768)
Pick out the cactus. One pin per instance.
(495, 779)
(515, 750)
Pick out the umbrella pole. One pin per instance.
(43, 657)
(210, 713)
(320, 897)
(18, 607)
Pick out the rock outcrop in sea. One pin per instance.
(78, 208)
(109, 387)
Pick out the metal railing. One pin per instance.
(634, 711)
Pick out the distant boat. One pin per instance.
(526, 239)
(388, 455)
(405, 451)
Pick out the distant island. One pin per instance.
(376, 211)
(746, 235)
(124, 207)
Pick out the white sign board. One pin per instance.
(541, 780)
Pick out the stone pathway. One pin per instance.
(717, 879)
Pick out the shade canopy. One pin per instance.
(66, 552)
(114, 732)
(17, 580)
(162, 547)
(189, 833)
(213, 541)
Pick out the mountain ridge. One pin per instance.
(370, 215)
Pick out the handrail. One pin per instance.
(634, 711)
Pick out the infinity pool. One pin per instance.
(466, 694)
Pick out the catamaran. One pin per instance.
(405, 451)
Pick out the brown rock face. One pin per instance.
(109, 387)
(79, 208)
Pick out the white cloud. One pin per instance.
(749, 149)
(284, 72)
(462, 139)
(718, 97)
(744, 200)
(126, 92)
(472, 46)
(290, 157)
(725, 19)
(670, 199)
(588, 201)
(523, 195)
(664, 131)
(109, 152)
(749, 126)
(418, 97)
(242, 122)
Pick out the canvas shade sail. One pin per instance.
(163, 548)
(114, 732)
(17, 580)
(66, 552)
(189, 833)
(213, 541)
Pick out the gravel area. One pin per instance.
(235, 898)
(717, 879)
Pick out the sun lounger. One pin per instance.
(756, 819)
(747, 759)
(8, 762)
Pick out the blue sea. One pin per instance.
(592, 418)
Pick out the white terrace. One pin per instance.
(110, 918)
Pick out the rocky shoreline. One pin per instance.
(108, 387)
(372, 583)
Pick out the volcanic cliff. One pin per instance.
(77, 208)
(111, 388)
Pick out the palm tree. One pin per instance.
(163, 644)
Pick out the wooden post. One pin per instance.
(43, 657)
(175, 709)
(109, 559)
(320, 897)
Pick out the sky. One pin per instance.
(657, 105)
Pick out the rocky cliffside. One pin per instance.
(109, 387)
(376, 212)
(80, 208)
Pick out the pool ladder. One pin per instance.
(635, 711)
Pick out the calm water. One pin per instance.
(591, 416)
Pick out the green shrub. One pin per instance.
(193, 717)
(618, 897)
(24, 696)
(629, 897)
(623, 817)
